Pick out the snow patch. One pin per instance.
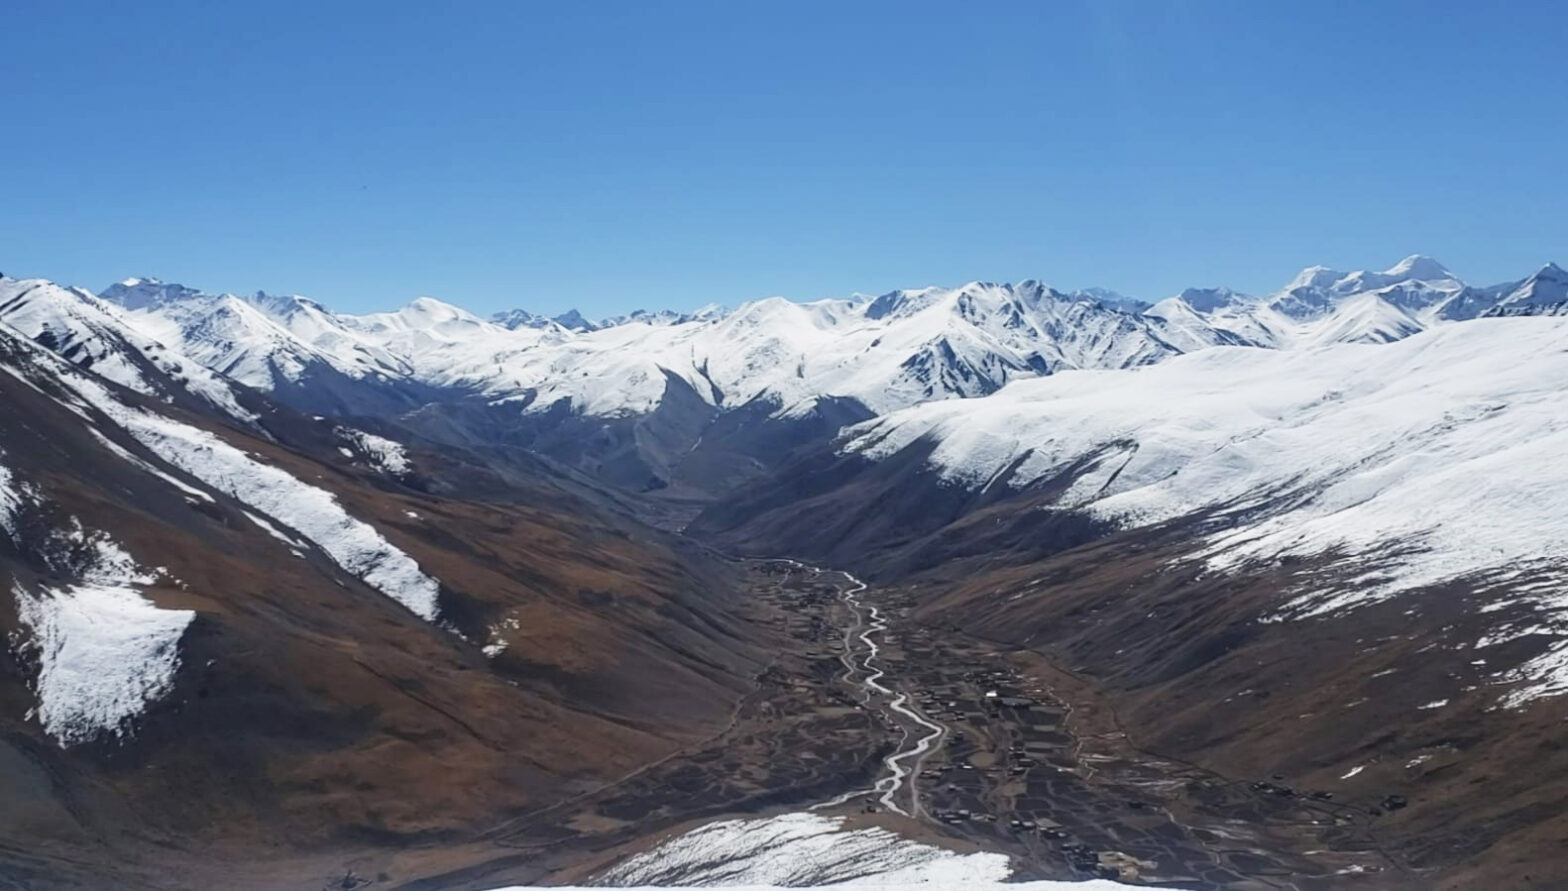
(103, 651)
(800, 849)
(381, 453)
(14, 496)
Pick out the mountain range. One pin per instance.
(280, 575)
(887, 352)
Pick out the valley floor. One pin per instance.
(1026, 762)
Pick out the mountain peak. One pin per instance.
(434, 310)
(574, 320)
(1315, 277)
(1418, 267)
(142, 292)
(1210, 299)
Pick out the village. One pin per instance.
(1012, 774)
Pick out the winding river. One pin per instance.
(867, 624)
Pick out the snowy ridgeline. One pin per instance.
(795, 850)
(1406, 465)
(896, 350)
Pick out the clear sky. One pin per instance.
(613, 156)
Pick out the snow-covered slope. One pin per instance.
(1433, 459)
(103, 650)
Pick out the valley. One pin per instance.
(754, 446)
(948, 740)
(1224, 592)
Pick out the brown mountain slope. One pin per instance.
(311, 715)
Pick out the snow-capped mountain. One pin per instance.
(901, 348)
(584, 392)
(1544, 293)
(896, 350)
(261, 341)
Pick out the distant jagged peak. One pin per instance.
(515, 319)
(708, 312)
(900, 302)
(1551, 272)
(1416, 282)
(574, 320)
(1546, 286)
(660, 317)
(1414, 268)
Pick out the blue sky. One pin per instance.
(612, 156)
